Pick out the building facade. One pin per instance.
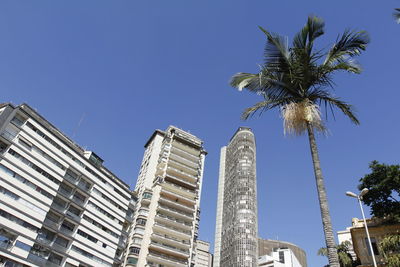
(166, 221)
(378, 230)
(236, 232)
(203, 257)
(276, 253)
(59, 206)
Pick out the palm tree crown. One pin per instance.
(296, 78)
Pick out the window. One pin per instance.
(282, 256)
(134, 250)
(141, 221)
(147, 195)
(132, 260)
(374, 246)
(22, 245)
(87, 236)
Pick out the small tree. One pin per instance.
(343, 250)
(390, 248)
(384, 190)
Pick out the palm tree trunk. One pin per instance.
(323, 201)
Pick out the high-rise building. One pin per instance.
(59, 206)
(203, 257)
(166, 220)
(236, 226)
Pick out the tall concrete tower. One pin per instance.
(236, 235)
(166, 222)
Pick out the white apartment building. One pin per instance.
(166, 220)
(281, 257)
(203, 257)
(59, 206)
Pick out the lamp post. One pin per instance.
(359, 198)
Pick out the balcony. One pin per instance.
(41, 261)
(44, 240)
(178, 165)
(180, 190)
(184, 161)
(177, 204)
(177, 172)
(185, 148)
(168, 249)
(177, 242)
(166, 260)
(51, 223)
(58, 207)
(180, 181)
(166, 192)
(171, 230)
(172, 220)
(59, 248)
(182, 153)
(73, 216)
(6, 244)
(176, 212)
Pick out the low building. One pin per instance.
(378, 230)
(276, 253)
(280, 257)
(203, 257)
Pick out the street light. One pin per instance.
(359, 197)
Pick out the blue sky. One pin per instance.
(129, 67)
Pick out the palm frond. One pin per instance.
(333, 102)
(276, 51)
(315, 28)
(264, 106)
(396, 14)
(350, 44)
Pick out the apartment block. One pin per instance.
(166, 219)
(203, 257)
(59, 206)
(236, 232)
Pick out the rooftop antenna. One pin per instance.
(79, 124)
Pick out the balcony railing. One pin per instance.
(184, 161)
(175, 220)
(6, 244)
(169, 247)
(173, 239)
(168, 258)
(51, 223)
(189, 209)
(180, 212)
(173, 229)
(187, 191)
(59, 208)
(190, 177)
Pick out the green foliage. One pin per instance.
(384, 190)
(301, 73)
(390, 248)
(345, 258)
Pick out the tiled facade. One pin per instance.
(236, 226)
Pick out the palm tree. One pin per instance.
(297, 80)
(396, 14)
